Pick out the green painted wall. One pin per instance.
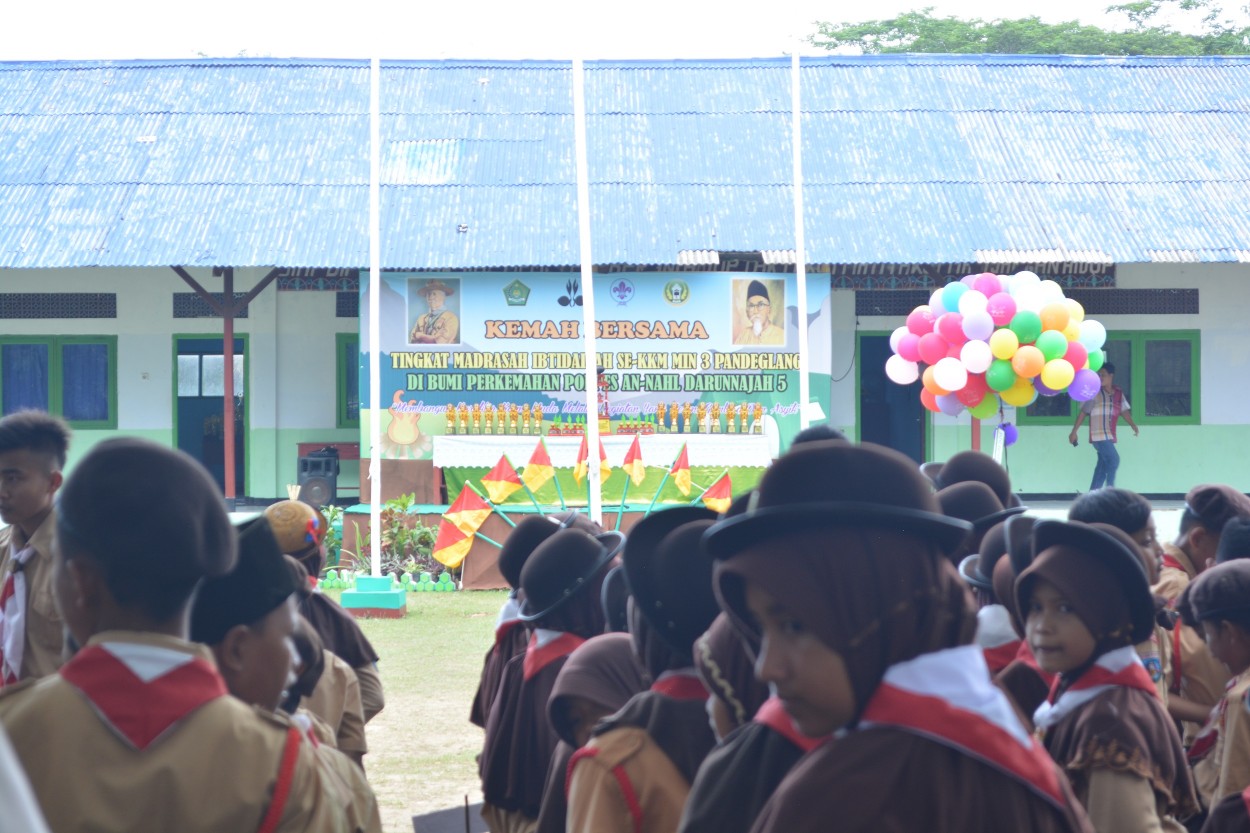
(1165, 459)
(84, 439)
(274, 460)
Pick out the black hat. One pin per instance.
(1115, 550)
(614, 594)
(978, 569)
(837, 484)
(1222, 592)
(1234, 541)
(670, 576)
(976, 503)
(1215, 504)
(532, 531)
(259, 583)
(562, 566)
(981, 467)
(755, 289)
(1020, 542)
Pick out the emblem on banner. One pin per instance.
(516, 294)
(676, 293)
(622, 291)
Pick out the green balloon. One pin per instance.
(1053, 344)
(1000, 376)
(1096, 359)
(1027, 326)
(986, 408)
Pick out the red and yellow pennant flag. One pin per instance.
(469, 511)
(582, 466)
(452, 544)
(633, 463)
(719, 495)
(502, 481)
(539, 469)
(680, 472)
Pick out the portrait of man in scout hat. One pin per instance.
(758, 313)
(438, 324)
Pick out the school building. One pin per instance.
(136, 198)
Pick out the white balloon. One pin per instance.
(1023, 281)
(950, 374)
(1029, 298)
(900, 371)
(1051, 292)
(896, 336)
(1092, 334)
(935, 303)
(972, 301)
(976, 356)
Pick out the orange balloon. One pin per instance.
(929, 400)
(1028, 361)
(1055, 316)
(931, 385)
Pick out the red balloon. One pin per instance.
(951, 327)
(974, 391)
(920, 321)
(1076, 355)
(909, 347)
(929, 400)
(933, 348)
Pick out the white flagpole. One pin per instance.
(588, 291)
(800, 244)
(375, 320)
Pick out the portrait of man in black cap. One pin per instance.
(758, 309)
(439, 324)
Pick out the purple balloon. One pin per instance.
(1085, 385)
(1010, 433)
(1042, 389)
(950, 405)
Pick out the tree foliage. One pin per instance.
(1143, 33)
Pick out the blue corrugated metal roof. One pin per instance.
(917, 158)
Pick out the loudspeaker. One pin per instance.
(318, 476)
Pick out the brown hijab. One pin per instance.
(603, 670)
(875, 596)
(728, 670)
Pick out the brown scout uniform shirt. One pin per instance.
(597, 799)
(1202, 677)
(45, 632)
(1226, 770)
(214, 770)
(336, 700)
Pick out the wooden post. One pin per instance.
(976, 434)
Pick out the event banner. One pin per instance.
(504, 353)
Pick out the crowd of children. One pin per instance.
(854, 645)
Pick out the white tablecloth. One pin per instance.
(657, 449)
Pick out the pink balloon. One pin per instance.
(1084, 385)
(950, 327)
(932, 348)
(1001, 307)
(1076, 355)
(988, 284)
(909, 347)
(920, 320)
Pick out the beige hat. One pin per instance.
(296, 525)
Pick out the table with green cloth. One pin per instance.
(469, 457)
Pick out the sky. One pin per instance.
(433, 29)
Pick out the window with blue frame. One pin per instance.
(74, 377)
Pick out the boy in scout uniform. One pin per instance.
(137, 731)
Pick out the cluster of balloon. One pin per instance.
(992, 337)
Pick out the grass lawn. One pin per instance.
(422, 747)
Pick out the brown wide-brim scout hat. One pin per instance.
(562, 566)
(978, 569)
(614, 595)
(435, 285)
(670, 577)
(297, 526)
(832, 484)
(976, 503)
(980, 467)
(532, 531)
(1115, 550)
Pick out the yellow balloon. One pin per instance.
(1020, 394)
(1072, 332)
(1076, 312)
(1058, 374)
(1003, 343)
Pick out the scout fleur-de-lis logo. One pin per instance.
(572, 294)
(622, 291)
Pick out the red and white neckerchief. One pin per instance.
(1121, 667)
(141, 691)
(681, 684)
(545, 647)
(996, 636)
(773, 715)
(1206, 739)
(13, 601)
(947, 696)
